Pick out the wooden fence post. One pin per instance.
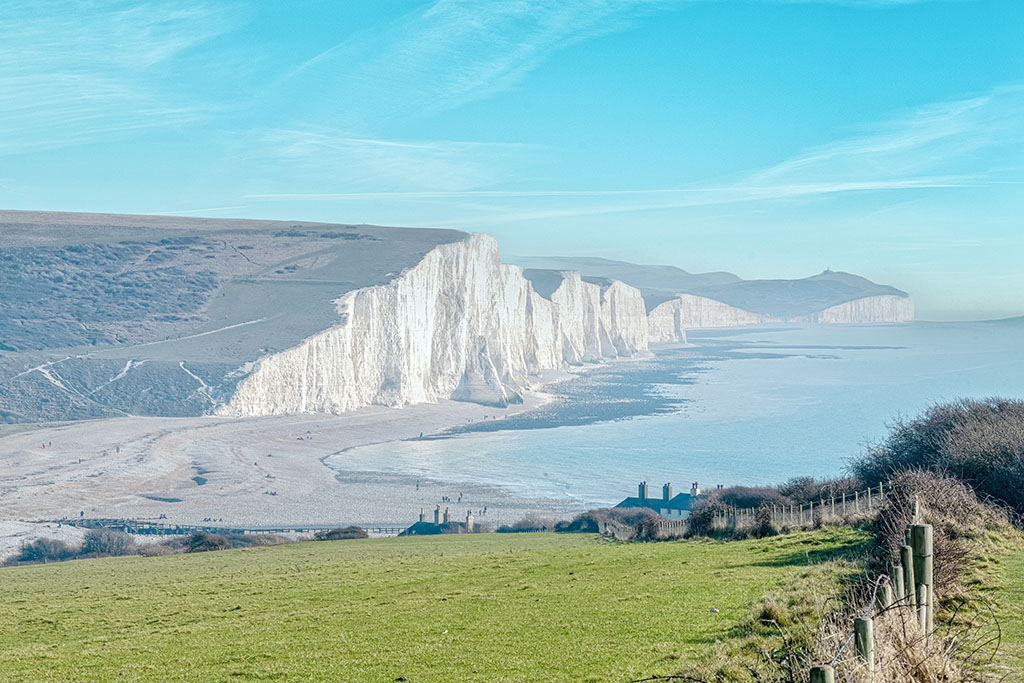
(823, 674)
(844, 503)
(921, 542)
(909, 586)
(864, 639)
(869, 500)
(856, 502)
(885, 595)
(896, 577)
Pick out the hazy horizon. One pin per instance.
(768, 138)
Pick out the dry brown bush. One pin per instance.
(959, 520)
(978, 442)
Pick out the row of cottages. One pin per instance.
(668, 506)
(441, 524)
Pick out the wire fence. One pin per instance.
(807, 514)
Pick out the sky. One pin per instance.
(769, 138)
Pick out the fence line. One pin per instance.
(804, 515)
(906, 587)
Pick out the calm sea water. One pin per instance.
(745, 407)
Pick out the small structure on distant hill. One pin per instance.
(668, 506)
(442, 524)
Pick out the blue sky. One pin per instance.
(771, 138)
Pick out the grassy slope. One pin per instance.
(485, 607)
(1009, 603)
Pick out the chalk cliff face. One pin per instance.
(871, 309)
(460, 324)
(669, 321)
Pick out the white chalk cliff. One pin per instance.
(460, 324)
(670, 320)
(886, 308)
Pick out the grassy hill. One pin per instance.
(490, 607)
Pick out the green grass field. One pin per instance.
(1008, 599)
(488, 607)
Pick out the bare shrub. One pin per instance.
(159, 549)
(255, 540)
(648, 527)
(751, 496)
(201, 542)
(763, 526)
(978, 442)
(702, 517)
(590, 521)
(807, 489)
(108, 543)
(959, 520)
(529, 523)
(341, 534)
(43, 550)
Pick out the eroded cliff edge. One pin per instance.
(460, 324)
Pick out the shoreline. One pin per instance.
(260, 471)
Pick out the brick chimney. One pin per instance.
(469, 520)
(642, 495)
(695, 491)
(447, 515)
(437, 514)
(421, 514)
(666, 492)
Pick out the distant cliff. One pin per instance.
(678, 300)
(886, 308)
(670, 320)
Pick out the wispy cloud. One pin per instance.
(916, 142)
(82, 71)
(955, 144)
(445, 166)
(454, 52)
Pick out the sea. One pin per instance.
(737, 406)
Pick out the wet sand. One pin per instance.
(248, 472)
